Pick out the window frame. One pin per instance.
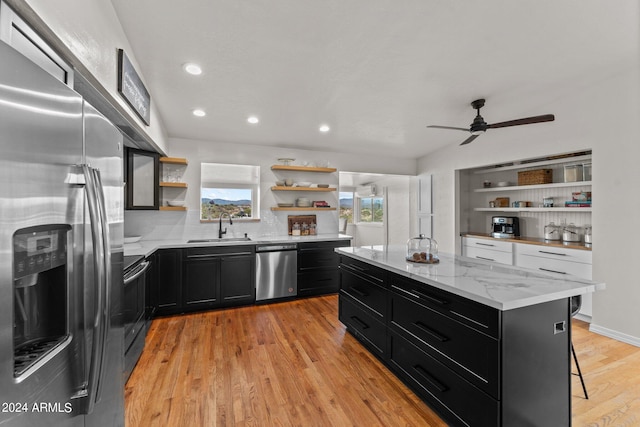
(253, 187)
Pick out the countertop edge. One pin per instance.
(148, 247)
(502, 306)
(531, 241)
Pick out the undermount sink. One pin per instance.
(228, 239)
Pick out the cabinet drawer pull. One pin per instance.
(430, 379)
(435, 334)
(486, 259)
(360, 323)
(551, 271)
(429, 297)
(359, 292)
(356, 267)
(552, 253)
(484, 244)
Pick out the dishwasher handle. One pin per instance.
(277, 247)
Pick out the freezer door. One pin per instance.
(103, 153)
(40, 148)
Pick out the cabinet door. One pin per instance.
(237, 280)
(201, 283)
(142, 179)
(167, 296)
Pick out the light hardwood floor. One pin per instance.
(292, 364)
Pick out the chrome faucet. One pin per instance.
(220, 232)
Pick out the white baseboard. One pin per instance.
(619, 336)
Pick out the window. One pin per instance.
(231, 189)
(370, 209)
(346, 206)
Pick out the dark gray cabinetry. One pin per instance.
(363, 303)
(167, 271)
(474, 364)
(318, 267)
(218, 276)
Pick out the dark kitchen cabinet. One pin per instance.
(200, 290)
(238, 278)
(142, 178)
(474, 364)
(218, 276)
(167, 295)
(318, 267)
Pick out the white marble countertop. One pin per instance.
(147, 247)
(502, 287)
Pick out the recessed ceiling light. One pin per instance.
(324, 128)
(253, 120)
(199, 113)
(193, 69)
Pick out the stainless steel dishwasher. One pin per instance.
(276, 271)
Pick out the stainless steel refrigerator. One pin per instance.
(61, 252)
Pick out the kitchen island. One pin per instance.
(483, 344)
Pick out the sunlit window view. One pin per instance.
(371, 209)
(236, 202)
(346, 206)
(229, 189)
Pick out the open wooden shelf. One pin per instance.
(174, 160)
(172, 208)
(302, 169)
(174, 184)
(280, 188)
(275, 208)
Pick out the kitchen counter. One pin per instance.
(532, 241)
(147, 247)
(502, 287)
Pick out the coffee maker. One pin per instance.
(505, 226)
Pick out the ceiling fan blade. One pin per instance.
(525, 121)
(448, 127)
(468, 140)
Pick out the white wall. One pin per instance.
(92, 31)
(186, 225)
(603, 116)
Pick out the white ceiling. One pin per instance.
(376, 71)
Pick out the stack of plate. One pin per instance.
(303, 202)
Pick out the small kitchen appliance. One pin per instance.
(505, 226)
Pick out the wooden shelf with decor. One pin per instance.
(173, 172)
(174, 160)
(293, 208)
(302, 169)
(173, 184)
(280, 188)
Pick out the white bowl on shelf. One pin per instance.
(303, 184)
(175, 203)
(132, 239)
(503, 184)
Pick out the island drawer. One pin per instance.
(441, 387)
(373, 273)
(473, 355)
(361, 288)
(475, 315)
(369, 330)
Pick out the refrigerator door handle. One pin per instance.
(87, 397)
(106, 259)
